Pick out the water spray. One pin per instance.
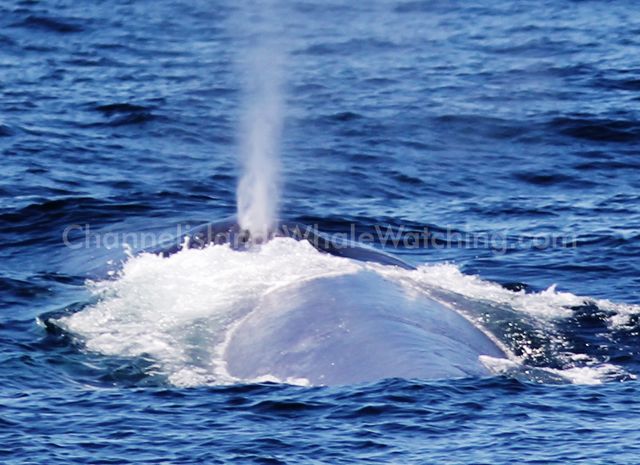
(258, 190)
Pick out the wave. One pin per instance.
(63, 210)
(348, 47)
(598, 129)
(48, 23)
(123, 114)
(5, 131)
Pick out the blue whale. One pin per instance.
(346, 329)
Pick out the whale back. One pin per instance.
(229, 232)
(351, 329)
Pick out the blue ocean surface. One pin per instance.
(494, 145)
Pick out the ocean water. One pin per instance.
(497, 141)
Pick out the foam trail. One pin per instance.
(258, 188)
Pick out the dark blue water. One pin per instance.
(513, 122)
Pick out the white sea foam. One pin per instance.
(590, 373)
(548, 304)
(178, 310)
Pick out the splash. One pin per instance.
(178, 311)
(258, 189)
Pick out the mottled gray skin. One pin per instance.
(346, 329)
(353, 329)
